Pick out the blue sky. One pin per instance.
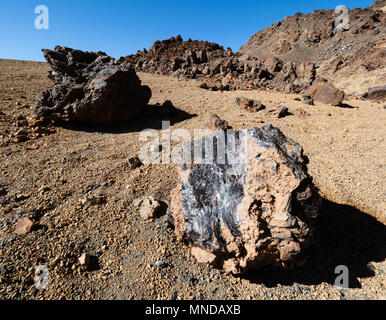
(121, 27)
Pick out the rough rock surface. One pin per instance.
(220, 69)
(376, 93)
(23, 226)
(147, 207)
(325, 93)
(216, 123)
(355, 54)
(278, 111)
(250, 104)
(92, 88)
(257, 209)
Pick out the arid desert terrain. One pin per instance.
(48, 175)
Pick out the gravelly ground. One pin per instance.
(46, 178)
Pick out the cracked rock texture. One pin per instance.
(90, 87)
(256, 206)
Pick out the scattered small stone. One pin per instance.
(147, 207)
(44, 189)
(24, 226)
(84, 260)
(174, 296)
(32, 147)
(92, 201)
(278, 111)
(20, 135)
(301, 113)
(249, 104)
(21, 197)
(216, 123)
(134, 163)
(308, 100)
(159, 265)
(93, 187)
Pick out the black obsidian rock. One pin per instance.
(254, 205)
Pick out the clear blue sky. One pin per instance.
(121, 27)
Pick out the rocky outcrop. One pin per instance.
(325, 93)
(91, 88)
(218, 69)
(354, 53)
(376, 93)
(255, 206)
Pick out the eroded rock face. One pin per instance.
(325, 93)
(376, 93)
(218, 69)
(92, 88)
(256, 208)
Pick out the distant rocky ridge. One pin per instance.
(353, 59)
(220, 69)
(289, 55)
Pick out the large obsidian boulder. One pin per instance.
(255, 205)
(91, 88)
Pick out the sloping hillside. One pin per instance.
(354, 59)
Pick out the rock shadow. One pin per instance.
(347, 106)
(149, 119)
(345, 236)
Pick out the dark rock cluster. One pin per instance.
(220, 69)
(91, 88)
(255, 206)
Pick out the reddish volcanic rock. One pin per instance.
(256, 208)
(376, 93)
(325, 93)
(216, 123)
(250, 105)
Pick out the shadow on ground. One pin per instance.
(345, 236)
(347, 106)
(145, 121)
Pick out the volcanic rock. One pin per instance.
(91, 88)
(147, 207)
(278, 111)
(211, 85)
(325, 93)
(24, 226)
(376, 93)
(84, 260)
(249, 104)
(339, 53)
(255, 206)
(301, 113)
(218, 69)
(216, 123)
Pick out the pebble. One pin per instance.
(147, 207)
(24, 226)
